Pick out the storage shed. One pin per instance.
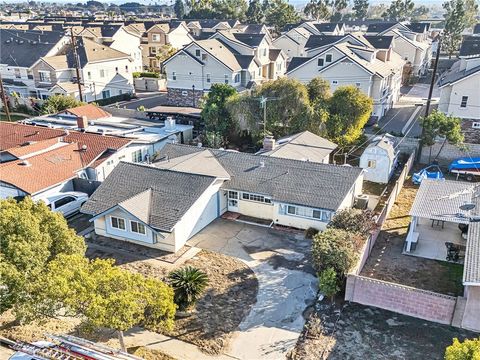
(379, 159)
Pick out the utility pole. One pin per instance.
(77, 70)
(4, 99)
(263, 104)
(430, 92)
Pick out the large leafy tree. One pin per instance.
(255, 13)
(438, 125)
(318, 9)
(420, 13)
(455, 23)
(319, 91)
(179, 9)
(230, 9)
(220, 126)
(57, 103)
(349, 110)
(360, 8)
(106, 296)
(400, 10)
(471, 12)
(31, 236)
(280, 13)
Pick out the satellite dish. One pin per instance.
(467, 207)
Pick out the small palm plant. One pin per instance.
(188, 284)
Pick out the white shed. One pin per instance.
(379, 159)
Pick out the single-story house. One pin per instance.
(379, 159)
(189, 187)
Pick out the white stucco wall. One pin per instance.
(451, 98)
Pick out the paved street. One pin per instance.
(148, 100)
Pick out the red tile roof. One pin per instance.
(43, 171)
(13, 134)
(91, 111)
(33, 147)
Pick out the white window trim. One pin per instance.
(135, 232)
(283, 209)
(331, 58)
(116, 217)
(49, 81)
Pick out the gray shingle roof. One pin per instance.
(380, 42)
(250, 39)
(315, 41)
(24, 48)
(380, 27)
(471, 270)
(296, 62)
(456, 75)
(419, 27)
(470, 46)
(476, 29)
(290, 181)
(170, 193)
(326, 27)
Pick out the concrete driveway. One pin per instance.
(287, 285)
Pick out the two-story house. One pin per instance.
(459, 87)
(370, 64)
(20, 50)
(209, 26)
(236, 59)
(293, 41)
(104, 72)
(173, 33)
(411, 42)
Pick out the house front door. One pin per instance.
(232, 201)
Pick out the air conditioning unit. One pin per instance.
(361, 201)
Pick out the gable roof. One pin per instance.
(91, 51)
(454, 74)
(419, 27)
(381, 26)
(302, 146)
(326, 27)
(91, 111)
(304, 183)
(159, 198)
(16, 135)
(380, 42)
(316, 41)
(470, 46)
(221, 52)
(24, 48)
(296, 62)
(252, 40)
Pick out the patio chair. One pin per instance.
(453, 252)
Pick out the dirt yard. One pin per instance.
(231, 293)
(386, 261)
(349, 331)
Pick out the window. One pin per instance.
(232, 194)
(320, 62)
(226, 79)
(322, 215)
(208, 78)
(265, 52)
(44, 76)
(117, 223)
(257, 198)
(197, 53)
(89, 75)
(358, 84)
(476, 125)
(204, 57)
(153, 50)
(137, 156)
(156, 37)
(17, 73)
(174, 75)
(328, 58)
(102, 73)
(334, 82)
(126, 68)
(64, 201)
(237, 78)
(137, 227)
(105, 94)
(463, 104)
(372, 164)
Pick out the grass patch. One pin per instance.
(149, 354)
(452, 276)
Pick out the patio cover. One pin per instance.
(471, 267)
(441, 200)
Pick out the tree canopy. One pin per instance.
(455, 23)
(179, 9)
(57, 103)
(360, 8)
(256, 12)
(280, 13)
(400, 10)
(31, 236)
(437, 124)
(466, 350)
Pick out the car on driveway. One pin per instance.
(67, 203)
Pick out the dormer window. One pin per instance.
(321, 62)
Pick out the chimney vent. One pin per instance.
(170, 124)
(269, 143)
(262, 164)
(82, 122)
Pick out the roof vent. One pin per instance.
(199, 144)
(67, 132)
(84, 147)
(25, 163)
(262, 164)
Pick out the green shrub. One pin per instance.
(188, 284)
(354, 220)
(328, 282)
(467, 350)
(114, 99)
(311, 232)
(146, 74)
(334, 248)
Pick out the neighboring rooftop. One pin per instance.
(380, 42)
(91, 111)
(419, 27)
(470, 47)
(380, 27)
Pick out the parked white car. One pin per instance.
(67, 203)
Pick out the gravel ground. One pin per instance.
(349, 331)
